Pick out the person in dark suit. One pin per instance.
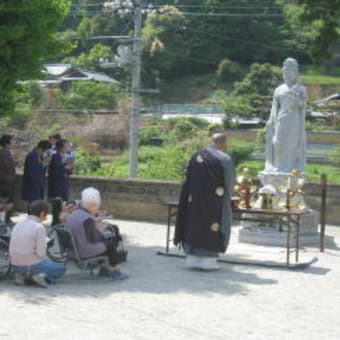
(5, 205)
(33, 181)
(59, 174)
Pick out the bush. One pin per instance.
(198, 122)
(334, 156)
(146, 133)
(89, 96)
(254, 166)
(237, 106)
(214, 128)
(228, 123)
(228, 70)
(260, 137)
(184, 128)
(86, 163)
(240, 151)
(166, 163)
(260, 105)
(117, 169)
(262, 79)
(20, 117)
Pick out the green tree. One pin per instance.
(89, 96)
(27, 37)
(242, 31)
(322, 17)
(165, 52)
(90, 60)
(257, 87)
(228, 70)
(261, 80)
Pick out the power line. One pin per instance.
(84, 111)
(202, 14)
(247, 42)
(204, 10)
(240, 15)
(190, 6)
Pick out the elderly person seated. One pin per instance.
(90, 240)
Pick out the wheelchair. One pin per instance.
(5, 266)
(61, 245)
(56, 251)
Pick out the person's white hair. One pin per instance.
(90, 196)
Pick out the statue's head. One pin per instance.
(290, 71)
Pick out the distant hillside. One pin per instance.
(205, 88)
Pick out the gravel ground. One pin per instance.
(163, 300)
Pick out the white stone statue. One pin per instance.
(285, 135)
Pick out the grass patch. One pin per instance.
(320, 80)
(320, 75)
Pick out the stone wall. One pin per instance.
(144, 199)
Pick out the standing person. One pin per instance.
(53, 139)
(69, 156)
(204, 212)
(59, 174)
(7, 168)
(5, 204)
(27, 249)
(286, 135)
(33, 180)
(52, 150)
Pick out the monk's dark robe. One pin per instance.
(204, 213)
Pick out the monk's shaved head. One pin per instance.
(219, 137)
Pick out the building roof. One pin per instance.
(57, 69)
(57, 73)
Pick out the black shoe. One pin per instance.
(103, 271)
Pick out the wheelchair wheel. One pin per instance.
(54, 249)
(4, 259)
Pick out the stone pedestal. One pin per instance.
(280, 179)
(265, 233)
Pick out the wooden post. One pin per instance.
(323, 184)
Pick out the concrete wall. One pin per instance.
(144, 199)
(328, 137)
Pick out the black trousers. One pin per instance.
(111, 251)
(10, 188)
(112, 242)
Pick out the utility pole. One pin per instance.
(135, 90)
(123, 7)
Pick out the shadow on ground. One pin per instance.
(153, 274)
(149, 273)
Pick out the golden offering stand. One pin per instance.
(292, 193)
(245, 188)
(267, 202)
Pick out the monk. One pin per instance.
(204, 214)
